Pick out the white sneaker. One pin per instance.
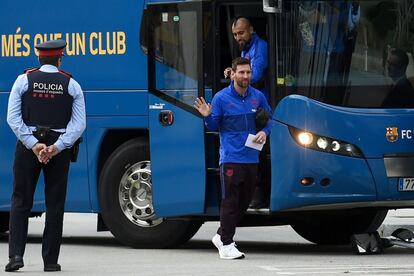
(216, 240)
(230, 252)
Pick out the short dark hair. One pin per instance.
(402, 56)
(52, 60)
(237, 18)
(239, 61)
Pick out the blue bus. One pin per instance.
(341, 154)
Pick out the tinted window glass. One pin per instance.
(348, 53)
(176, 35)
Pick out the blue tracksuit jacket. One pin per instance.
(234, 117)
(256, 52)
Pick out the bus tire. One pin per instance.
(130, 217)
(338, 229)
(4, 221)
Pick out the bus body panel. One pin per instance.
(117, 103)
(350, 178)
(387, 187)
(365, 128)
(177, 161)
(105, 56)
(103, 50)
(7, 148)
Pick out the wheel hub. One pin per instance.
(141, 194)
(135, 195)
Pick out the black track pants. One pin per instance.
(238, 182)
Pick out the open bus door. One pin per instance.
(175, 79)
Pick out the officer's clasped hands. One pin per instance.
(37, 148)
(44, 153)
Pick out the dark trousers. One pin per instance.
(238, 182)
(26, 171)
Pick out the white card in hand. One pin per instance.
(251, 144)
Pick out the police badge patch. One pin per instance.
(392, 134)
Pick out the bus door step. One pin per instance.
(262, 211)
(372, 243)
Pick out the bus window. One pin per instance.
(337, 52)
(176, 50)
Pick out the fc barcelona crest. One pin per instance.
(392, 134)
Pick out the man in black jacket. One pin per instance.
(401, 94)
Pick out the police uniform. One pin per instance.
(46, 105)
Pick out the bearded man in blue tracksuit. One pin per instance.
(233, 113)
(254, 49)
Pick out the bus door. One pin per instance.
(175, 79)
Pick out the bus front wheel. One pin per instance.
(4, 222)
(125, 194)
(337, 229)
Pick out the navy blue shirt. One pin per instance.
(234, 116)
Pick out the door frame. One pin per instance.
(157, 9)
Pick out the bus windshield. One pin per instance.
(347, 53)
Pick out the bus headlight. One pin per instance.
(336, 146)
(305, 138)
(322, 143)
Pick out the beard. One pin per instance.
(241, 44)
(242, 83)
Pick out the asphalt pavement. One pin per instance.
(269, 251)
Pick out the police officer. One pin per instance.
(233, 112)
(46, 112)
